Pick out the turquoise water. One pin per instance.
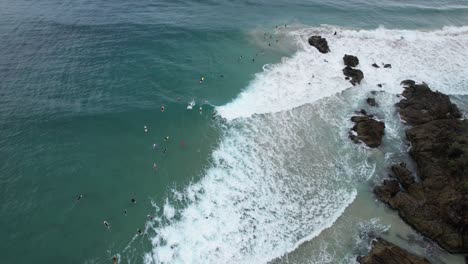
(79, 80)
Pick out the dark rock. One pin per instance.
(387, 66)
(350, 60)
(379, 85)
(416, 110)
(367, 130)
(320, 43)
(355, 74)
(384, 252)
(437, 205)
(387, 190)
(371, 102)
(375, 65)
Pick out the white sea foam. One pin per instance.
(436, 57)
(284, 171)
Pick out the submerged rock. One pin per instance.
(320, 43)
(350, 60)
(371, 101)
(384, 252)
(355, 75)
(437, 205)
(367, 130)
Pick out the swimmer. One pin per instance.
(165, 149)
(106, 224)
(150, 217)
(202, 79)
(162, 108)
(114, 259)
(139, 231)
(79, 197)
(125, 212)
(166, 138)
(133, 200)
(253, 60)
(334, 34)
(269, 45)
(200, 109)
(146, 129)
(155, 146)
(155, 166)
(178, 98)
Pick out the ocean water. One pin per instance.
(260, 170)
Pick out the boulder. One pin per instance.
(384, 252)
(320, 43)
(350, 60)
(355, 75)
(367, 130)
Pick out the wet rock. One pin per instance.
(423, 105)
(387, 66)
(384, 252)
(320, 43)
(371, 101)
(350, 60)
(387, 190)
(375, 65)
(367, 130)
(355, 75)
(437, 205)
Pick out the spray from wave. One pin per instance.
(284, 171)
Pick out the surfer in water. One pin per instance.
(106, 224)
(79, 197)
(155, 166)
(162, 108)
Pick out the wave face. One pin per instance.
(284, 170)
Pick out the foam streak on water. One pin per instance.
(280, 175)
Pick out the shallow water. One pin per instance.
(272, 173)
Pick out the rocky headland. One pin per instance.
(434, 199)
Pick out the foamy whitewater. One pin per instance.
(285, 170)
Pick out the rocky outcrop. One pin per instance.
(356, 75)
(384, 252)
(367, 130)
(320, 43)
(350, 60)
(436, 204)
(423, 105)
